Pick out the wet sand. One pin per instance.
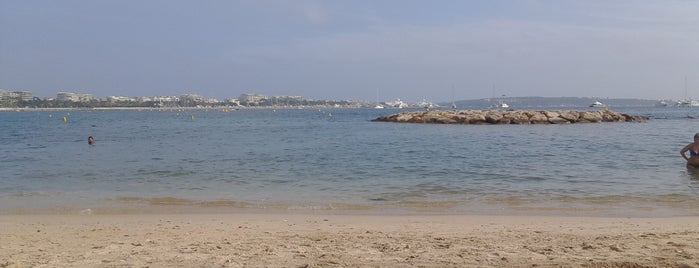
(316, 240)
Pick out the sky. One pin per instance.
(353, 49)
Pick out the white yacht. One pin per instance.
(597, 104)
(500, 105)
(427, 104)
(687, 103)
(397, 104)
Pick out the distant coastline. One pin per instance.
(515, 103)
(27, 109)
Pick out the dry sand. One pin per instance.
(314, 240)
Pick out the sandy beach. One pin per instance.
(285, 239)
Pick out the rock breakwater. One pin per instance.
(510, 117)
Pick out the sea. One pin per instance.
(340, 161)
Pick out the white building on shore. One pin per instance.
(252, 98)
(16, 95)
(119, 99)
(74, 97)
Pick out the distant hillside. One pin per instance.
(549, 102)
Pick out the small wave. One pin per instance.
(194, 161)
(29, 194)
(427, 204)
(157, 200)
(163, 173)
(175, 201)
(334, 206)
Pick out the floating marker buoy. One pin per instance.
(65, 119)
(330, 114)
(192, 117)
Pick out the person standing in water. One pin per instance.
(693, 148)
(90, 140)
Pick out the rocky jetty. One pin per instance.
(510, 117)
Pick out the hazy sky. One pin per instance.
(352, 49)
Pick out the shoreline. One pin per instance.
(224, 108)
(614, 206)
(251, 239)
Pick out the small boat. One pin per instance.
(500, 105)
(661, 103)
(397, 104)
(378, 104)
(687, 103)
(427, 104)
(499, 102)
(597, 104)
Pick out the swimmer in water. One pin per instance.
(90, 140)
(693, 148)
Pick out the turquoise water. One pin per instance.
(340, 160)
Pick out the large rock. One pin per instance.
(517, 117)
(494, 118)
(403, 117)
(571, 116)
(538, 118)
(510, 117)
(591, 116)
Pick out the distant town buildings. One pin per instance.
(119, 98)
(251, 99)
(10, 98)
(165, 99)
(66, 99)
(233, 101)
(74, 97)
(18, 95)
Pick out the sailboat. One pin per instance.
(378, 104)
(687, 102)
(500, 104)
(453, 104)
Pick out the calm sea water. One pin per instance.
(340, 160)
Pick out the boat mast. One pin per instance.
(377, 96)
(453, 104)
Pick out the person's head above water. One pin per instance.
(90, 140)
